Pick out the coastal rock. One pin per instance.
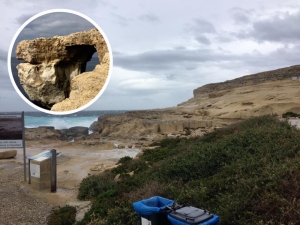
(94, 126)
(54, 69)
(75, 132)
(213, 105)
(120, 146)
(42, 133)
(8, 154)
(145, 125)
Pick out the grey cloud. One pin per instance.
(23, 18)
(163, 60)
(170, 76)
(56, 24)
(5, 83)
(121, 20)
(52, 24)
(279, 28)
(203, 39)
(225, 37)
(149, 17)
(240, 16)
(180, 48)
(203, 26)
(3, 55)
(168, 61)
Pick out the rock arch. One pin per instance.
(52, 64)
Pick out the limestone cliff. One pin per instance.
(250, 80)
(54, 69)
(271, 92)
(214, 106)
(149, 124)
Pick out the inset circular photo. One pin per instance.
(60, 61)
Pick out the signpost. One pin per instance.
(12, 133)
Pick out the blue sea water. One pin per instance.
(82, 118)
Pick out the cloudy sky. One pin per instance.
(164, 49)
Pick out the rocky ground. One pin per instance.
(17, 205)
(21, 205)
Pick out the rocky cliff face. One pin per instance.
(150, 124)
(254, 79)
(214, 106)
(54, 69)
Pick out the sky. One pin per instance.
(163, 50)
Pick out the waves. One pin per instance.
(84, 118)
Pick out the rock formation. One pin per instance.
(213, 106)
(53, 74)
(254, 79)
(48, 132)
(75, 132)
(150, 124)
(8, 154)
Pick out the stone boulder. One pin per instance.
(41, 133)
(8, 154)
(94, 126)
(75, 132)
(52, 64)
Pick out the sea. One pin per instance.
(82, 118)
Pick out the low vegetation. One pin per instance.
(247, 173)
(63, 216)
(290, 114)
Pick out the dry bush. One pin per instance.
(149, 189)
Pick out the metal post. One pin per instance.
(23, 142)
(53, 170)
(29, 175)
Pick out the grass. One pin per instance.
(247, 173)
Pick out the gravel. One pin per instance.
(17, 203)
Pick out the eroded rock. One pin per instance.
(52, 64)
(8, 154)
(74, 132)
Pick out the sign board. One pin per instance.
(11, 130)
(35, 170)
(46, 154)
(12, 133)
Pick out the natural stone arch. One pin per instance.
(51, 65)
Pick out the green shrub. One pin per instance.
(124, 160)
(247, 173)
(94, 185)
(62, 216)
(290, 114)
